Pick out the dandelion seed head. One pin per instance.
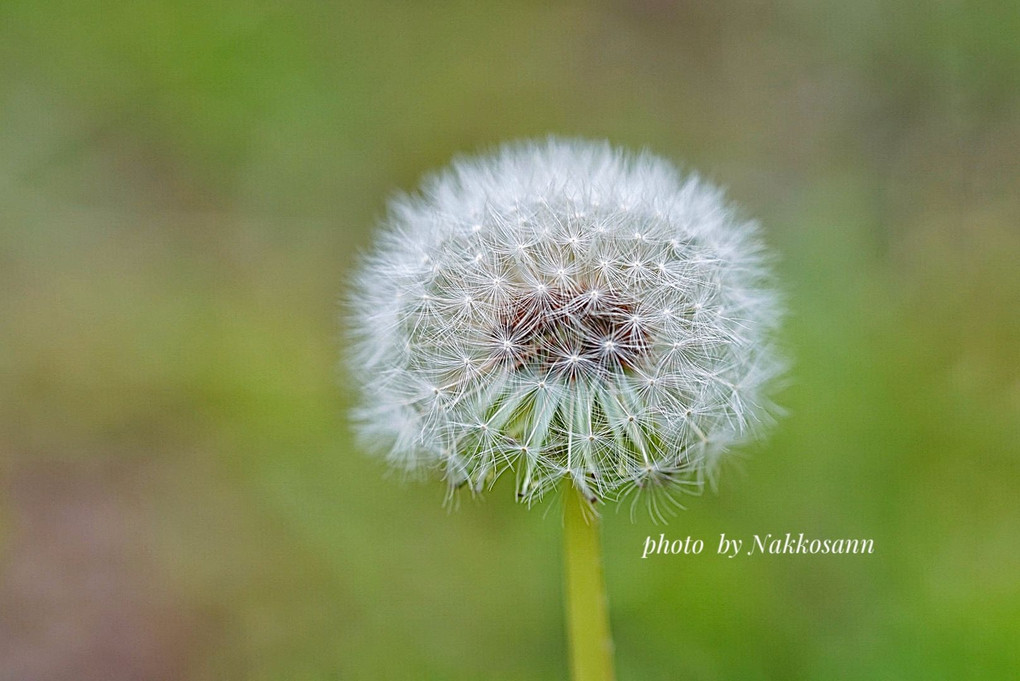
(563, 310)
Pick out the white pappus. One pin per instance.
(563, 309)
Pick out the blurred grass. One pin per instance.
(183, 187)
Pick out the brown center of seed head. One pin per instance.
(571, 333)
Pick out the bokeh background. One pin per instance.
(184, 187)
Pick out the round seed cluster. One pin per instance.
(563, 310)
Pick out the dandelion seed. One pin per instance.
(578, 313)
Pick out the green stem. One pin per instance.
(591, 644)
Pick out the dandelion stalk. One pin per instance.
(588, 633)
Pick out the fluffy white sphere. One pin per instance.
(563, 309)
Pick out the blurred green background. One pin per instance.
(184, 187)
